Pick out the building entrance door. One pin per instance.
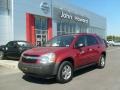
(41, 30)
(41, 39)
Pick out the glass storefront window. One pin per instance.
(68, 27)
(38, 31)
(41, 30)
(44, 23)
(58, 26)
(37, 22)
(4, 7)
(40, 23)
(63, 27)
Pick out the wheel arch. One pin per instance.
(69, 59)
(104, 53)
(63, 62)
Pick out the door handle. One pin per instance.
(82, 52)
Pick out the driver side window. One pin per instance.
(81, 40)
(10, 44)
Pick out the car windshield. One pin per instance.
(24, 44)
(60, 41)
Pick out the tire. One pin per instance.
(65, 72)
(1, 55)
(102, 62)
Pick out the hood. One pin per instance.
(43, 50)
(2, 46)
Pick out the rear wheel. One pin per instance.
(65, 72)
(101, 63)
(1, 55)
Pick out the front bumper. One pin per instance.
(39, 70)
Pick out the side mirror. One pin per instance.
(79, 45)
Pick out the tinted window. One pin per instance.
(10, 44)
(61, 41)
(24, 44)
(91, 40)
(81, 40)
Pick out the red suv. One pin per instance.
(63, 55)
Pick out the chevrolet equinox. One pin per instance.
(63, 55)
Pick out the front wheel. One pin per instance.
(1, 55)
(65, 72)
(102, 62)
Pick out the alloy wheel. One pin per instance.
(66, 72)
(102, 61)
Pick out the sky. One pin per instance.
(107, 8)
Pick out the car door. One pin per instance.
(92, 49)
(81, 51)
(12, 50)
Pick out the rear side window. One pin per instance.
(91, 40)
(100, 40)
(10, 44)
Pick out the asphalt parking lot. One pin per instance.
(86, 79)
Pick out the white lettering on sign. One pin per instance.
(65, 15)
(81, 19)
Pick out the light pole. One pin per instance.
(51, 7)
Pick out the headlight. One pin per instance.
(47, 58)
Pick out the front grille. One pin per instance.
(31, 55)
(28, 60)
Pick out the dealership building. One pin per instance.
(37, 21)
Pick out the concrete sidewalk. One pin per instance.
(11, 64)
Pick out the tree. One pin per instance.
(113, 38)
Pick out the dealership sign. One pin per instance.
(45, 7)
(69, 16)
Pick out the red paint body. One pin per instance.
(80, 56)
